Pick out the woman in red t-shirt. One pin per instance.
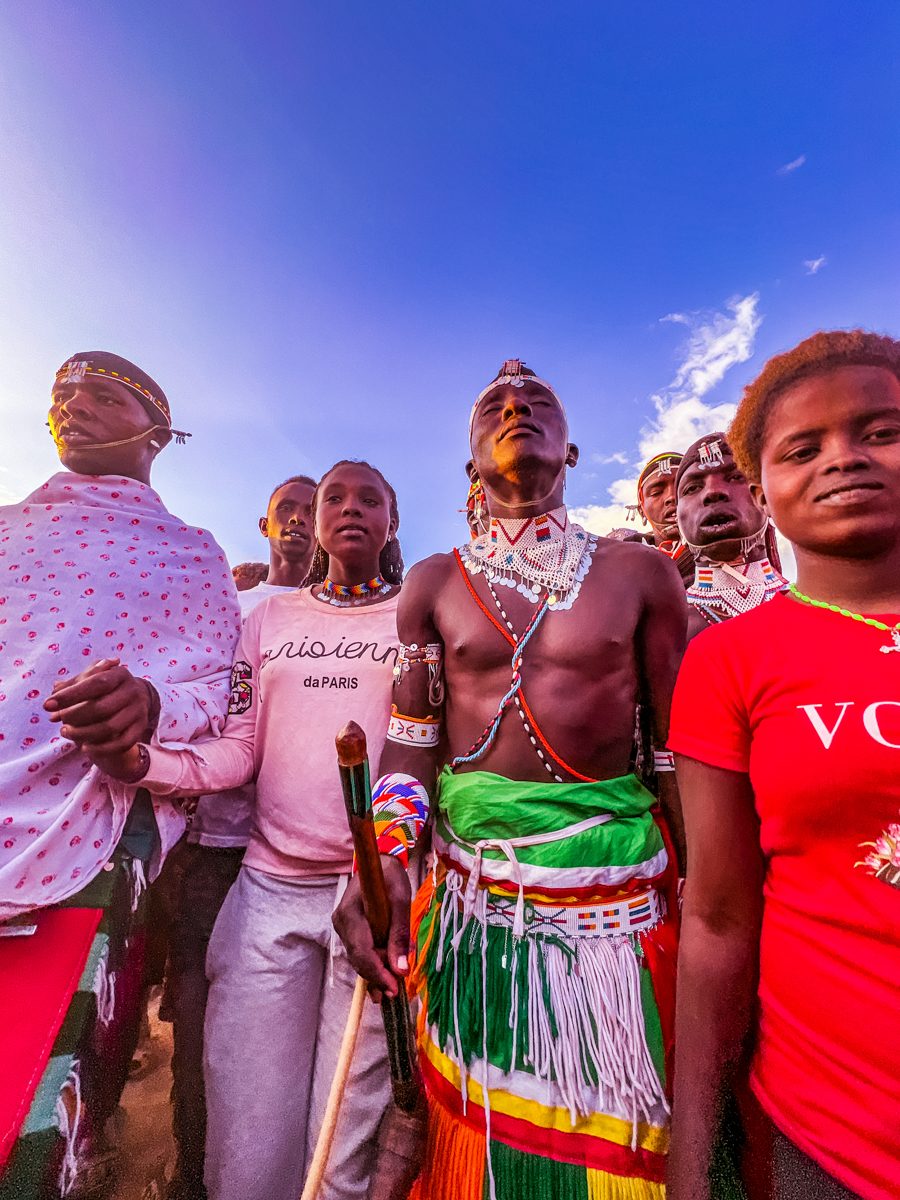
(786, 728)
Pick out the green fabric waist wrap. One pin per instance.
(595, 852)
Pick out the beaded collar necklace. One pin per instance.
(343, 595)
(723, 586)
(894, 630)
(544, 557)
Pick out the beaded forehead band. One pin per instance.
(75, 370)
(661, 464)
(511, 373)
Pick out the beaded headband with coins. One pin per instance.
(112, 366)
(515, 373)
(707, 454)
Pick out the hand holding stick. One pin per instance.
(406, 1081)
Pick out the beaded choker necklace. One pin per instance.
(544, 557)
(342, 595)
(894, 631)
(735, 591)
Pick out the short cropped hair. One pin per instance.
(294, 479)
(823, 352)
(248, 574)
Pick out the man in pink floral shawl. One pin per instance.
(115, 617)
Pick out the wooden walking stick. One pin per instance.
(335, 1095)
(402, 1135)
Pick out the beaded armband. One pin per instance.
(431, 656)
(413, 731)
(663, 760)
(399, 811)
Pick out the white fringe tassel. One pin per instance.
(595, 999)
(68, 1173)
(138, 882)
(105, 988)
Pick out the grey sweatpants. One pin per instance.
(273, 1030)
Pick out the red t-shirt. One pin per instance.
(805, 702)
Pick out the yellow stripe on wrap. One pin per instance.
(603, 1186)
(610, 1129)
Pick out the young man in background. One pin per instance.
(217, 840)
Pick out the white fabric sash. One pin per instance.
(508, 847)
(96, 567)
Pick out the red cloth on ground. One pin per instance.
(804, 700)
(38, 977)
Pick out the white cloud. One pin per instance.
(791, 166)
(812, 264)
(716, 343)
(604, 460)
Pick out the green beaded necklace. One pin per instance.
(844, 612)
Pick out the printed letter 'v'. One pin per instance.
(826, 734)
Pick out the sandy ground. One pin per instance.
(143, 1124)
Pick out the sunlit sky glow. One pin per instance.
(322, 227)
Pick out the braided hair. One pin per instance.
(390, 562)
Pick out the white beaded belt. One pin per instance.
(631, 914)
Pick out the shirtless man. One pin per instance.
(733, 542)
(569, 939)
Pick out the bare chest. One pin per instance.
(593, 637)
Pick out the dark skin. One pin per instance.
(658, 506)
(583, 673)
(104, 707)
(353, 522)
(830, 479)
(99, 410)
(715, 510)
(287, 526)
(353, 525)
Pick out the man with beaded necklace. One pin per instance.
(546, 937)
(731, 540)
(656, 507)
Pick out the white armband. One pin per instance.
(413, 731)
(663, 760)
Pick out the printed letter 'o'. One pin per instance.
(870, 720)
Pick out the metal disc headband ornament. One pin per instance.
(511, 373)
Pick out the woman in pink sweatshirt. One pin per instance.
(308, 661)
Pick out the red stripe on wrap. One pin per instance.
(578, 1149)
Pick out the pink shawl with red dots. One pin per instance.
(95, 567)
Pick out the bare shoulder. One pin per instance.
(422, 584)
(645, 567)
(428, 574)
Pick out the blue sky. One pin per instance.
(322, 227)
